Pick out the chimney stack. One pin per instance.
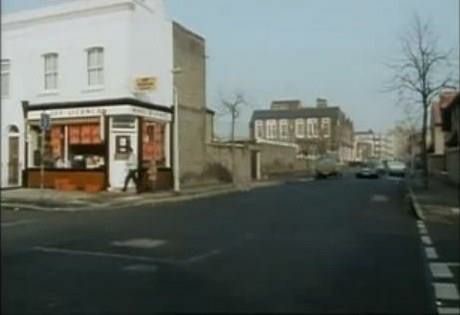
(321, 102)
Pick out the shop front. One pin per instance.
(87, 145)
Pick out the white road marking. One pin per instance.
(421, 224)
(423, 231)
(440, 270)
(448, 311)
(455, 210)
(203, 257)
(141, 268)
(454, 264)
(426, 240)
(104, 255)
(431, 253)
(139, 243)
(446, 291)
(16, 223)
(379, 198)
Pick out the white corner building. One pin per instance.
(102, 71)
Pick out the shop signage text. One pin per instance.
(146, 83)
(99, 111)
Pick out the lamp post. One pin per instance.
(176, 171)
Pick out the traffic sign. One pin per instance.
(45, 121)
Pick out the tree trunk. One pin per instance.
(424, 144)
(233, 149)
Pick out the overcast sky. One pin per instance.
(304, 49)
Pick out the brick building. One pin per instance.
(316, 130)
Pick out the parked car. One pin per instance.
(369, 170)
(328, 166)
(381, 167)
(396, 169)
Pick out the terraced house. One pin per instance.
(105, 73)
(316, 130)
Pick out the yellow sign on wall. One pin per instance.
(146, 83)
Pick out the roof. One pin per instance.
(305, 112)
(367, 132)
(288, 102)
(446, 112)
(59, 9)
(178, 26)
(445, 101)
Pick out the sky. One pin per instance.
(304, 49)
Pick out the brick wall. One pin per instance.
(190, 56)
(219, 158)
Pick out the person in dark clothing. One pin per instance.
(131, 169)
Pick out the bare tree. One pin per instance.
(233, 106)
(418, 75)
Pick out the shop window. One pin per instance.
(84, 134)
(122, 144)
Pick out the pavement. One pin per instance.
(440, 202)
(330, 246)
(437, 210)
(53, 200)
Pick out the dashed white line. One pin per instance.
(204, 256)
(422, 230)
(426, 240)
(440, 270)
(431, 253)
(448, 311)
(446, 291)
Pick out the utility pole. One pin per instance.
(176, 171)
(44, 125)
(176, 142)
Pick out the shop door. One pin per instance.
(13, 161)
(119, 160)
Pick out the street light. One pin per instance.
(176, 171)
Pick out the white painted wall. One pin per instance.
(136, 36)
(152, 53)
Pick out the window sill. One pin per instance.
(91, 89)
(49, 93)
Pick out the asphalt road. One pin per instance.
(338, 245)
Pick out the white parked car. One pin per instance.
(396, 169)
